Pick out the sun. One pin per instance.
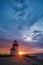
(20, 53)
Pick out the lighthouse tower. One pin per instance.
(14, 49)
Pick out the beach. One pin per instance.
(20, 61)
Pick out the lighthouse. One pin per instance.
(14, 49)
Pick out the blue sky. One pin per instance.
(22, 19)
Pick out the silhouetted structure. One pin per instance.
(14, 49)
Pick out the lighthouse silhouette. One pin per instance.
(14, 49)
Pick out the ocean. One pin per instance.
(39, 56)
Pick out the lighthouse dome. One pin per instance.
(15, 43)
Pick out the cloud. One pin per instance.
(38, 49)
(17, 15)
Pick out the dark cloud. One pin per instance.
(37, 35)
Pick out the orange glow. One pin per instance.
(20, 53)
(4, 51)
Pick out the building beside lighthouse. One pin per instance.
(14, 49)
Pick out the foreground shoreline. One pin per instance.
(20, 60)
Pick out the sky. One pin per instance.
(22, 20)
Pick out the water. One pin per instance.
(21, 61)
(39, 56)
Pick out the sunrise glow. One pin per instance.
(20, 53)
